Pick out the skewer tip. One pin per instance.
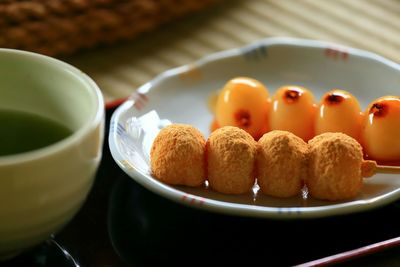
(368, 168)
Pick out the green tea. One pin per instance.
(22, 132)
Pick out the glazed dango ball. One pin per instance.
(293, 110)
(243, 102)
(339, 111)
(381, 132)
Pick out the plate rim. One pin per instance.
(239, 209)
(266, 42)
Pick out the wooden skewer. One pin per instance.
(370, 167)
(387, 169)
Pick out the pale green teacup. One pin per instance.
(42, 189)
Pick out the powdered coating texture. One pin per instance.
(231, 155)
(281, 163)
(178, 156)
(335, 161)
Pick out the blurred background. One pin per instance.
(123, 44)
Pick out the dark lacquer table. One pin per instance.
(123, 224)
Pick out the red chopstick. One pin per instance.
(351, 254)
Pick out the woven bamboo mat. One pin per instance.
(367, 24)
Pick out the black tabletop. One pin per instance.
(124, 224)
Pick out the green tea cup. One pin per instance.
(44, 186)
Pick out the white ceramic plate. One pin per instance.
(180, 96)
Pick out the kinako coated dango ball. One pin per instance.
(281, 164)
(381, 129)
(243, 102)
(230, 154)
(335, 166)
(339, 111)
(293, 110)
(178, 156)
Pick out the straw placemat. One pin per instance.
(367, 24)
(60, 27)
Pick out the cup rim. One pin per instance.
(92, 122)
